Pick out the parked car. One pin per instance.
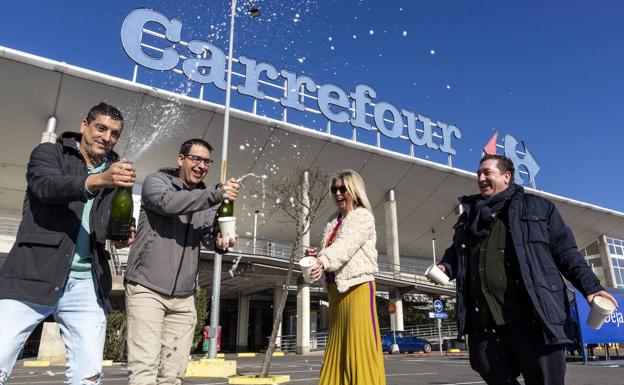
(408, 343)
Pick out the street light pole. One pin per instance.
(254, 229)
(216, 270)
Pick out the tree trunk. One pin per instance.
(264, 372)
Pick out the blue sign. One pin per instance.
(612, 331)
(437, 306)
(438, 315)
(205, 63)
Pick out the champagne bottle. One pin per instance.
(226, 209)
(120, 215)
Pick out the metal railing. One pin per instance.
(260, 247)
(428, 331)
(119, 264)
(280, 251)
(318, 340)
(288, 343)
(266, 248)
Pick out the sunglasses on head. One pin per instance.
(335, 189)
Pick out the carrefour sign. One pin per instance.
(207, 65)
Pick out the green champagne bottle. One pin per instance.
(226, 209)
(120, 215)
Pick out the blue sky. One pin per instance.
(548, 72)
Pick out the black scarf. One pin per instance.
(486, 209)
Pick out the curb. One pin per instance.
(36, 364)
(254, 379)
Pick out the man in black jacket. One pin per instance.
(508, 254)
(59, 263)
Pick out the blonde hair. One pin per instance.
(355, 186)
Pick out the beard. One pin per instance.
(98, 159)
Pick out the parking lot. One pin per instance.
(400, 369)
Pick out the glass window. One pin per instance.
(611, 250)
(618, 277)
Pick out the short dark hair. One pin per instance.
(504, 164)
(104, 109)
(185, 148)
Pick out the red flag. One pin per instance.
(490, 147)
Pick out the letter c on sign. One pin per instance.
(132, 31)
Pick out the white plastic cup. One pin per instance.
(307, 263)
(438, 276)
(227, 227)
(601, 308)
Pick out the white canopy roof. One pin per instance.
(34, 88)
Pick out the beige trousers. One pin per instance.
(160, 335)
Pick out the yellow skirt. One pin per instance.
(353, 355)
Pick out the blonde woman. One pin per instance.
(349, 259)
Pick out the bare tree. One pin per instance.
(298, 196)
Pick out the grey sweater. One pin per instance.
(172, 223)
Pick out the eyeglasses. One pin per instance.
(198, 159)
(335, 189)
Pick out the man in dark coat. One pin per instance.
(508, 255)
(59, 263)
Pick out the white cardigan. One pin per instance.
(352, 255)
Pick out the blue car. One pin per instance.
(407, 342)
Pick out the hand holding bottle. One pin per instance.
(119, 174)
(229, 190)
(128, 242)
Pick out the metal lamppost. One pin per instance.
(255, 229)
(216, 273)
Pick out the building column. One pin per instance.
(303, 288)
(242, 327)
(605, 260)
(277, 298)
(392, 250)
(258, 337)
(303, 316)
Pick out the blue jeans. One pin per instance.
(82, 322)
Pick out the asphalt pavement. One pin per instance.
(412, 369)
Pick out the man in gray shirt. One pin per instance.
(177, 213)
